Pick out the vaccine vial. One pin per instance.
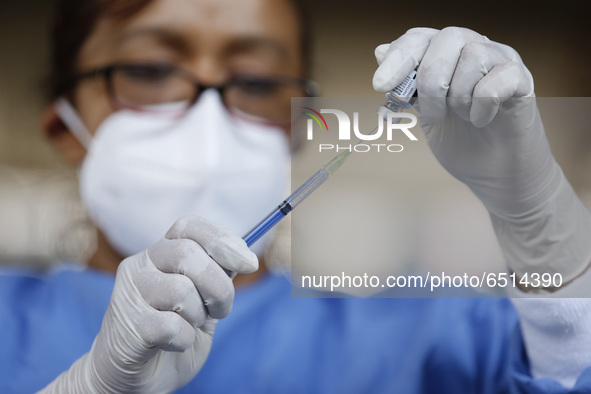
(402, 96)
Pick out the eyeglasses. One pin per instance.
(166, 88)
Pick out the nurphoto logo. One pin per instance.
(392, 127)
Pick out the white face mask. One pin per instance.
(144, 171)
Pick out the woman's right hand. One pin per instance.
(158, 329)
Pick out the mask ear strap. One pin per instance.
(72, 120)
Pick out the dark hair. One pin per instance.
(74, 20)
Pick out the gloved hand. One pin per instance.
(477, 110)
(158, 329)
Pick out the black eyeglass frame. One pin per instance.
(309, 87)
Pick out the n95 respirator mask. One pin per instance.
(143, 171)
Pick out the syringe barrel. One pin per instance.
(308, 187)
(266, 224)
(286, 206)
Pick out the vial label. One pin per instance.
(407, 88)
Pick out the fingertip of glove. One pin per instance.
(250, 262)
(483, 111)
(380, 52)
(253, 262)
(225, 247)
(380, 83)
(244, 260)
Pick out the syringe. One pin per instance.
(399, 98)
(296, 198)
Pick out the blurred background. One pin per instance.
(551, 37)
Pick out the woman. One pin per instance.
(172, 108)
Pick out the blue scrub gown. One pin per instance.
(272, 343)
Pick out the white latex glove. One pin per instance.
(477, 109)
(158, 329)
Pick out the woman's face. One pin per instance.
(212, 39)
